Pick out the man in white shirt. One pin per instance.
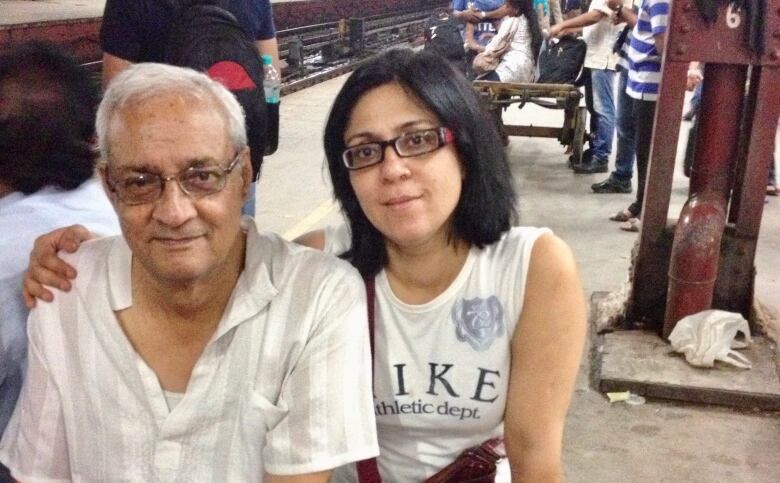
(192, 348)
(600, 33)
(47, 122)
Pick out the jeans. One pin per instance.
(602, 87)
(644, 113)
(624, 157)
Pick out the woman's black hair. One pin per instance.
(486, 206)
(526, 7)
(47, 137)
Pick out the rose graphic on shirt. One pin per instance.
(478, 321)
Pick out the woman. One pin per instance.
(479, 326)
(518, 60)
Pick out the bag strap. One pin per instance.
(503, 44)
(368, 471)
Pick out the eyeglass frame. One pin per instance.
(176, 177)
(445, 136)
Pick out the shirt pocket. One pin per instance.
(258, 417)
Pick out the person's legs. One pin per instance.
(624, 156)
(602, 84)
(468, 37)
(619, 181)
(644, 112)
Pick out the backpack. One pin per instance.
(561, 63)
(442, 37)
(206, 37)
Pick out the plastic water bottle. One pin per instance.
(272, 86)
(272, 81)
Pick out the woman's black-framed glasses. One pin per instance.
(407, 145)
(195, 182)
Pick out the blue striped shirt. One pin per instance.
(644, 72)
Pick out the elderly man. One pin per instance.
(192, 348)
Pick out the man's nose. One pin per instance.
(174, 207)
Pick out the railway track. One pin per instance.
(315, 53)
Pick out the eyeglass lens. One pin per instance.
(408, 144)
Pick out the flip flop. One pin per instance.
(771, 190)
(632, 224)
(622, 215)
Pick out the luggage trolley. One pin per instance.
(552, 96)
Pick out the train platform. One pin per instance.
(654, 441)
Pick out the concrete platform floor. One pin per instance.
(656, 441)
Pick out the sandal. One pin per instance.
(622, 215)
(771, 190)
(632, 224)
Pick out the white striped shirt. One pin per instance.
(283, 386)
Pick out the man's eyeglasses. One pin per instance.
(406, 145)
(196, 182)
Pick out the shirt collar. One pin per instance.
(254, 288)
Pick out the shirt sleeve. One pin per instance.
(503, 31)
(264, 20)
(328, 394)
(119, 35)
(34, 446)
(658, 10)
(459, 5)
(601, 6)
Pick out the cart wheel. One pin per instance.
(579, 135)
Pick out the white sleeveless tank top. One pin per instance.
(441, 369)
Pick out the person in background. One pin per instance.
(192, 347)
(47, 161)
(518, 62)
(548, 13)
(644, 56)
(475, 13)
(137, 31)
(600, 32)
(479, 326)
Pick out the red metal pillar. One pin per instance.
(721, 45)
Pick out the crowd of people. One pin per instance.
(170, 339)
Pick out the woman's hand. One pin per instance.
(46, 268)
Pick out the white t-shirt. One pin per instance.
(22, 219)
(282, 387)
(601, 38)
(442, 368)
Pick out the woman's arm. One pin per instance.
(546, 351)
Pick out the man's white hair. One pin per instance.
(143, 81)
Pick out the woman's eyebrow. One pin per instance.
(369, 136)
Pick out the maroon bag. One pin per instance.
(475, 465)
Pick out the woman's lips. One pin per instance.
(400, 201)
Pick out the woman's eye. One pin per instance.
(366, 152)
